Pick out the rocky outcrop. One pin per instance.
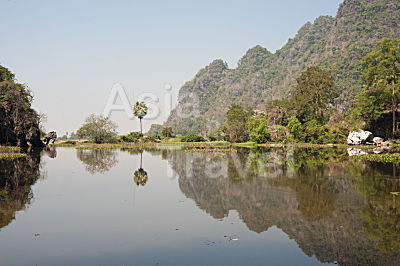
(359, 137)
(378, 141)
(50, 138)
(381, 142)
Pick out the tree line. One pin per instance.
(310, 115)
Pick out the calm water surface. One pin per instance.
(170, 207)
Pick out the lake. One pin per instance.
(277, 206)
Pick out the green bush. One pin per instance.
(212, 138)
(152, 138)
(132, 137)
(315, 133)
(113, 140)
(258, 132)
(295, 129)
(337, 137)
(193, 138)
(312, 132)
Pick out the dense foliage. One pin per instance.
(300, 119)
(382, 83)
(19, 123)
(192, 138)
(132, 137)
(258, 131)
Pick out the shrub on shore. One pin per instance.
(192, 138)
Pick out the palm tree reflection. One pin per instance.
(140, 175)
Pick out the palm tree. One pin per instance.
(140, 111)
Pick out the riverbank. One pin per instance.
(216, 144)
(389, 154)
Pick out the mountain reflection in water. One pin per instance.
(338, 209)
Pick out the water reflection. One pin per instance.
(140, 175)
(335, 208)
(96, 160)
(50, 151)
(382, 213)
(16, 177)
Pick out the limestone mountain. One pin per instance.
(333, 43)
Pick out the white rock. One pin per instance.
(378, 141)
(358, 137)
(355, 151)
(378, 150)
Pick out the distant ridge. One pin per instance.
(333, 43)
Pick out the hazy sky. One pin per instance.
(71, 53)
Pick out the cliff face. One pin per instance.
(333, 43)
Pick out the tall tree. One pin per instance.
(279, 111)
(236, 125)
(383, 71)
(97, 128)
(140, 111)
(167, 131)
(314, 93)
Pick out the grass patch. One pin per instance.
(12, 155)
(171, 140)
(245, 144)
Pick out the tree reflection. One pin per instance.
(140, 175)
(97, 160)
(316, 191)
(17, 175)
(382, 212)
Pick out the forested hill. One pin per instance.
(333, 43)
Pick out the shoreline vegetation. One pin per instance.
(392, 155)
(85, 144)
